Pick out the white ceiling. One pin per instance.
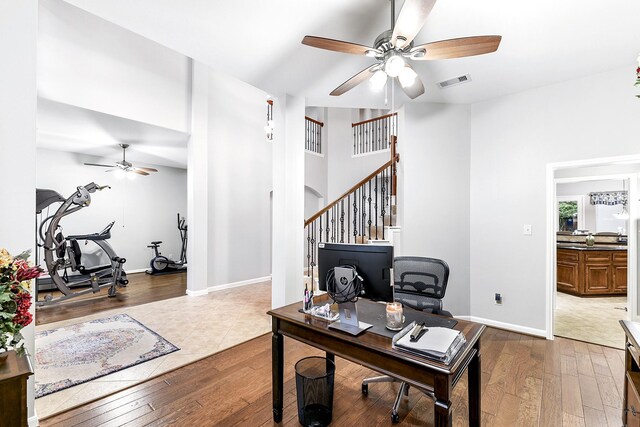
(66, 127)
(544, 42)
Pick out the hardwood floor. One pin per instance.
(526, 381)
(143, 288)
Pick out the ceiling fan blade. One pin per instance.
(336, 45)
(410, 20)
(139, 172)
(96, 164)
(148, 169)
(458, 48)
(415, 90)
(354, 81)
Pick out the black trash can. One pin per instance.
(314, 389)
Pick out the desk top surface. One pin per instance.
(374, 342)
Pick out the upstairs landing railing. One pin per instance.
(374, 134)
(313, 135)
(358, 215)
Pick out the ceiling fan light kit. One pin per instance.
(378, 80)
(393, 47)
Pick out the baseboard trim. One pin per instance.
(238, 284)
(199, 293)
(507, 326)
(33, 421)
(137, 270)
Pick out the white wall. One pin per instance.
(343, 170)
(240, 177)
(18, 39)
(433, 191)
(513, 138)
(86, 61)
(144, 209)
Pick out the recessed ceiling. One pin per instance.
(544, 42)
(66, 127)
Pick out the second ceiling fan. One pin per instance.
(393, 47)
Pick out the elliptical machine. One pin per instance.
(62, 253)
(160, 264)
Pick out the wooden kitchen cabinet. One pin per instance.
(591, 272)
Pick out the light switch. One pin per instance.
(527, 230)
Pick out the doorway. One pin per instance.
(591, 259)
(580, 304)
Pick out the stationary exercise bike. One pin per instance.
(160, 264)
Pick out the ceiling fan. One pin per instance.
(393, 47)
(124, 165)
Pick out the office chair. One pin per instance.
(419, 283)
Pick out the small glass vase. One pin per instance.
(590, 240)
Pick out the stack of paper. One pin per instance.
(437, 343)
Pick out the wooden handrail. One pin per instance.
(374, 119)
(314, 121)
(349, 191)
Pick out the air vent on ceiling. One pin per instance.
(454, 81)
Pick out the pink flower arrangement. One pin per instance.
(15, 297)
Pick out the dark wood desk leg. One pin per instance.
(474, 373)
(442, 409)
(277, 370)
(332, 358)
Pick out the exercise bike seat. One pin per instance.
(157, 242)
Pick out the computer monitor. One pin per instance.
(372, 262)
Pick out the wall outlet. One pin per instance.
(498, 299)
(526, 230)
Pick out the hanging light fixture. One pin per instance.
(268, 129)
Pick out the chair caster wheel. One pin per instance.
(395, 418)
(365, 389)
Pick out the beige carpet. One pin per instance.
(199, 326)
(594, 320)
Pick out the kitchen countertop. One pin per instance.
(584, 247)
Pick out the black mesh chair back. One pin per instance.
(420, 283)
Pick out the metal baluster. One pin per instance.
(327, 230)
(355, 215)
(375, 204)
(308, 249)
(382, 207)
(342, 221)
(363, 208)
(349, 218)
(320, 235)
(313, 250)
(388, 201)
(369, 203)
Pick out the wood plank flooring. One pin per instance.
(143, 288)
(525, 382)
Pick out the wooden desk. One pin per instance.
(375, 352)
(631, 398)
(13, 390)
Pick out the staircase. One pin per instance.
(360, 215)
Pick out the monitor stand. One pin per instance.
(349, 320)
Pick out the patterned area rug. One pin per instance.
(78, 353)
